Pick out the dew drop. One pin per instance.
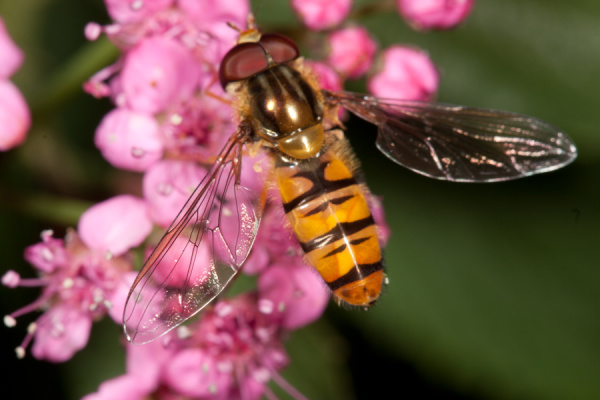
(136, 152)
(164, 188)
(136, 5)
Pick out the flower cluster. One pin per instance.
(170, 119)
(14, 112)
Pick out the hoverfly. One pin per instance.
(283, 111)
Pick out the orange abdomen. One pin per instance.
(330, 216)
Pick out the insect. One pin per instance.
(283, 110)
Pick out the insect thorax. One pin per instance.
(286, 111)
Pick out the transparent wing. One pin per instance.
(200, 253)
(458, 143)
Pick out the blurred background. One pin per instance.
(494, 288)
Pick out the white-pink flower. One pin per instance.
(231, 353)
(78, 284)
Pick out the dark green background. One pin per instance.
(493, 288)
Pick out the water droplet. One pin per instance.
(136, 152)
(136, 5)
(164, 188)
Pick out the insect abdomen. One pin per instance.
(330, 216)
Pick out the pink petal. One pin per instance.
(115, 225)
(297, 292)
(193, 372)
(10, 54)
(322, 14)
(407, 74)
(434, 14)
(351, 51)
(15, 119)
(129, 139)
(126, 11)
(124, 387)
(119, 296)
(157, 73)
(167, 186)
(328, 78)
(47, 255)
(61, 332)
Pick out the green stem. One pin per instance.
(67, 80)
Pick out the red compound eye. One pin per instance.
(241, 62)
(280, 47)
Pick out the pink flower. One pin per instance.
(129, 139)
(406, 73)
(351, 51)
(434, 14)
(231, 353)
(115, 225)
(77, 287)
(322, 14)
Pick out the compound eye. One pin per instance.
(241, 62)
(280, 47)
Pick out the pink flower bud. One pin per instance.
(322, 14)
(167, 186)
(195, 373)
(296, 292)
(10, 54)
(434, 14)
(351, 51)
(125, 11)
(129, 139)
(159, 72)
(328, 78)
(15, 119)
(115, 225)
(407, 73)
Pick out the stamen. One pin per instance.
(68, 283)
(46, 235)
(265, 306)
(27, 309)
(11, 279)
(20, 352)
(285, 385)
(9, 321)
